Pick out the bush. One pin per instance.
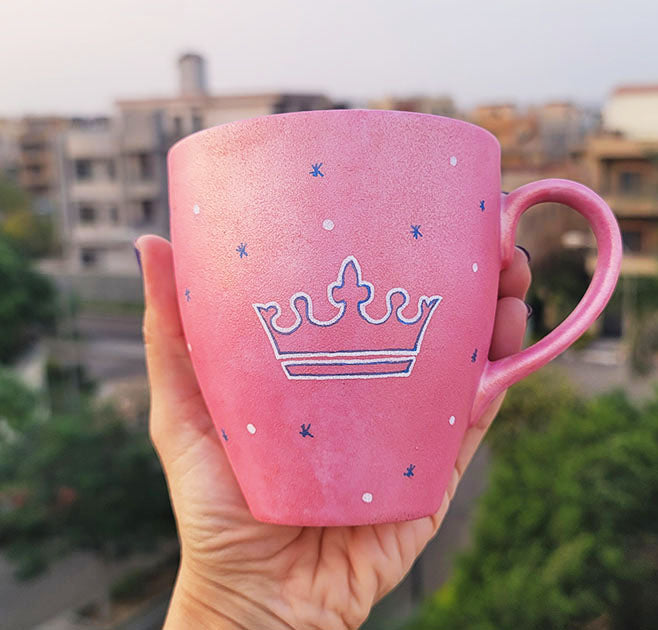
(27, 303)
(567, 533)
(78, 480)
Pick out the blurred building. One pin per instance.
(437, 105)
(516, 130)
(563, 128)
(10, 132)
(29, 157)
(544, 136)
(632, 110)
(623, 166)
(116, 178)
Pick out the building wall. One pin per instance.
(633, 112)
(625, 172)
(38, 165)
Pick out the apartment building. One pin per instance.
(116, 179)
(437, 105)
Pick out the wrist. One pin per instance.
(204, 605)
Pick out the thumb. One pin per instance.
(178, 412)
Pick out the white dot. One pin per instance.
(453, 160)
(196, 208)
(451, 420)
(475, 267)
(189, 347)
(328, 224)
(251, 428)
(367, 497)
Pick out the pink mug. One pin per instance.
(337, 273)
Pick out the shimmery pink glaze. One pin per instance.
(251, 182)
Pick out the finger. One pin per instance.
(509, 327)
(515, 280)
(509, 330)
(175, 396)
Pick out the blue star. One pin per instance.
(242, 249)
(316, 170)
(482, 205)
(188, 295)
(415, 231)
(224, 435)
(410, 471)
(306, 430)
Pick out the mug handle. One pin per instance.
(499, 375)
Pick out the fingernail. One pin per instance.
(530, 309)
(139, 258)
(526, 252)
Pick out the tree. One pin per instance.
(567, 533)
(30, 232)
(80, 480)
(559, 281)
(642, 313)
(27, 303)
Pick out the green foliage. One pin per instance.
(642, 312)
(17, 402)
(31, 233)
(559, 281)
(27, 303)
(80, 480)
(567, 533)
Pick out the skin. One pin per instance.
(236, 572)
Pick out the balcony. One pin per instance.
(144, 189)
(633, 205)
(91, 143)
(95, 190)
(631, 264)
(102, 234)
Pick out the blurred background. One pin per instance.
(556, 523)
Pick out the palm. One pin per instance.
(336, 571)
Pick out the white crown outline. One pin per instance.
(341, 306)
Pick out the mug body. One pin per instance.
(337, 274)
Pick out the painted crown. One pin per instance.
(352, 344)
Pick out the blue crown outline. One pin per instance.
(426, 307)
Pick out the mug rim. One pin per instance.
(208, 131)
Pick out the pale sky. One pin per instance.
(79, 56)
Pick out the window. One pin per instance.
(33, 147)
(145, 162)
(630, 182)
(87, 214)
(83, 169)
(114, 215)
(34, 169)
(197, 122)
(178, 126)
(88, 257)
(632, 240)
(111, 169)
(148, 211)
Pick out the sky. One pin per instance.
(77, 57)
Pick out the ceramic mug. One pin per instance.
(337, 273)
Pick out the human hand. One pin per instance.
(236, 572)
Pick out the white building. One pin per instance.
(633, 112)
